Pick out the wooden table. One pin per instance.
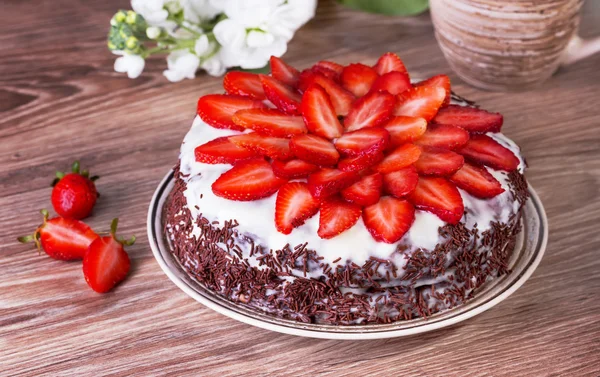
(60, 100)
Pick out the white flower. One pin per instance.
(153, 32)
(289, 17)
(132, 64)
(202, 45)
(214, 66)
(153, 12)
(182, 64)
(200, 10)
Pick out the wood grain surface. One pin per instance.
(60, 100)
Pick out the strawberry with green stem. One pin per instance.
(74, 194)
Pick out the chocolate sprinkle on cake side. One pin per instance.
(294, 282)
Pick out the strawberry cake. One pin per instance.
(345, 194)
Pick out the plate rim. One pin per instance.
(298, 331)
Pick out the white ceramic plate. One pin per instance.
(528, 252)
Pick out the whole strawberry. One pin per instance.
(106, 263)
(74, 194)
(60, 238)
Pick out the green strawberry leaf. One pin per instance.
(388, 7)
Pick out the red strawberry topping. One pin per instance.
(327, 182)
(284, 72)
(440, 197)
(393, 82)
(420, 101)
(389, 62)
(364, 141)
(441, 136)
(284, 97)
(389, 219)
(477, 181)
(243, 84)
(337, 68)
(438, 161)
(319, 114)
(358, 163)
(270, 122)
(439, 81)
(293, 169)
(217, 109)
(358, 79)
(222, 151)
(273, 147)
(315, 150)
(248, 180)
(471, 119)
(372, 110)
(293, 206)
(366, 191)
(401, 157)
(401, 183)
(485, 150)
(337, 216)
(404, 129)
(340, 98)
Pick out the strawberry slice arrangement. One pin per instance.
(349, 142)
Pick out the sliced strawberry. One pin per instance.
(337, 68)
(293, 169)
(477, 181)
(485, 150)
(222, 151)
(243, 84)
(358, 163)
(319, 114)
(366, 191)
(401, 157)
(389, 219)
(471, 119)
(441, 136)
(284, 97)
(440, 197)
(372, 110)
(329, 73)
(420, 101)
(358, 79)
(341, 99)
(327, 182)
(365, 141)
(284, 72)
(401, 183)
(270, 122)
(389, 62)
(218, 109)
(404, 129)
(439, 81)
(337, 216)
(248, 180)
(294, 205)
(392, 82)
(273, 147)
(307, 78)
(315, 150)
(438, 161)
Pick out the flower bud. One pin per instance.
(153, 32)
(131, 17)
(131, 43)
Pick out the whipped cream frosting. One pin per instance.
(256, 218)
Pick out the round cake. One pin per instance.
(345, 194)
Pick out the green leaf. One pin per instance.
(388, 7)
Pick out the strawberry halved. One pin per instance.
(401, 183)
(442, 136)
(270, 122)
(366, 140)
(471, 119)
(361, 162)
(284, 72)
(273, 147)
(401, 157)
(222, 151)
(389, 62)
(244, 84)
(477, 181)
(340, 98)
(327, 182)
(404, 129)
(389, 219)
(315, 150)
(393, 82)
(284, 97)
(366, 191)
(248, 180)
(337, 216)
(440, 197)
(485, 150)
(319, 114)
(439, 81)
(294, 205)
(358, 79)
(293, 169)
(337, 68)
(218, 109)
(420, 101)
(327, 72)
(438, 161)
(371, 110)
